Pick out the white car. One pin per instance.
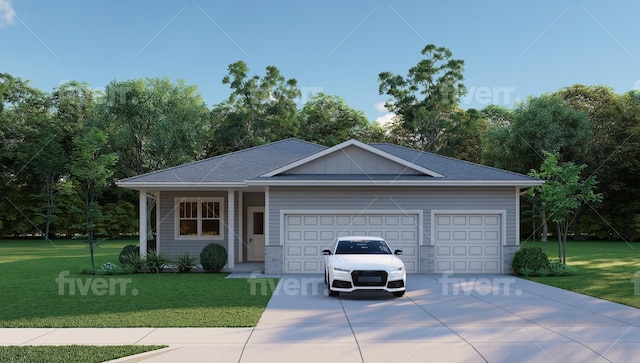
(363, 263)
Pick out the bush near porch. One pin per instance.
(609, 270)
(31, 297)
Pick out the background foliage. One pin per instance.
(154, 123)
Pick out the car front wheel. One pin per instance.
(398, 293)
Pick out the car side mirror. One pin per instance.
(397, 252)
(326, 252)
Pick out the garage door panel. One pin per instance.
(467, 243)
(475, 250)
(294, 220)
(294, 235)
(327, 220)
(443, 235)
(476, 266)
(492, 251)
(308, 235)
(294, 250)
(492, 235)
(459, 250)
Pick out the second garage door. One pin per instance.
(306, 235)
(468, 243)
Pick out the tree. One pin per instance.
(92, 169)
(562, 194)
(152, 124)
(613, 157)
(29, 139)
(328, 120)
(465, 133)
(424, 101)
(259, 110)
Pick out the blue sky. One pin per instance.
(511, 49)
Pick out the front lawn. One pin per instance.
(70, 353)
(41, 287)
(609, 270)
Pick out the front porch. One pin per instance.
(188, 221)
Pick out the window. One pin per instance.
(199, 218)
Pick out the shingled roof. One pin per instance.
(259, 166)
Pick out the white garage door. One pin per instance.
(467, 243)
(306, 235)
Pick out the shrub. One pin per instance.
(156, 261)
(184, 262)
(109, 268)
(132, 261)
(213, 257)
(86, 270)
(557, 268)
(127, 250)
(531, 258)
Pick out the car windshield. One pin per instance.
(362, 248)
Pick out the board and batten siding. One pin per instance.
(365, 199)
(168, 243)
(352, 160)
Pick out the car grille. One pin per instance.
(369, 278)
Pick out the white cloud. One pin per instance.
(7, 14)
(385, 120)
(379, 106)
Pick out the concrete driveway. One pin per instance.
(440, 319)
(481, 318)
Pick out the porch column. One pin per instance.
(240, 225)
(266, 216)
(143, 223)
(230, 224)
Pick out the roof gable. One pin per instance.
(352, 158)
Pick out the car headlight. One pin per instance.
(339, 270)
(397, 269)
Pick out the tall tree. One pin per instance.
(425, 99)
(328, 120)
(152, 123)
(465, 133)
(27, 135)
(562, 194)
(259, 110)
(92, 168)
(613, 157)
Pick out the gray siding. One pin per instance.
(352, 160)
(406, 198)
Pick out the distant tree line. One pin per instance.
(61, 152)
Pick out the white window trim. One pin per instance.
(176, 224)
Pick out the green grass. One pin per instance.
(31, 297)
(604, 269)
(70, 353)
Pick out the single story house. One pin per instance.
(282, 203)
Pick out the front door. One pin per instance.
(255, 247)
